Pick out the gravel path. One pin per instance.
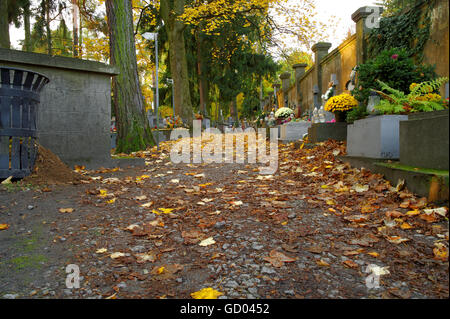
(274, 237)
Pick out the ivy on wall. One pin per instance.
(409, 30)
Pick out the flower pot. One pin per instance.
(340, 116)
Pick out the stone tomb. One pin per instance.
(294, 131)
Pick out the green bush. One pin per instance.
(393, 67)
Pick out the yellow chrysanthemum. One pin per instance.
(342, 102)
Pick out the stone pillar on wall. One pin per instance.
(365, 19)
(276, 89)
(320, 51)
(271, 100)
(299, 72)
(285, 84)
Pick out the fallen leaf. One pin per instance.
(429, 218)
(147, 205)
(360, 188)
(8, 180)
(4, 226)
(206, 293)
(350, 264)
(117, 255)
(101, 251)
(374, 254)
(406, 226)
(397, 239)
(66, 210)
(322, 263)
(277, 259)
(394, 214)
(413, 213)
(440, 211)
(145, 257)
(440, 252)
(356, 218)
(207, 242)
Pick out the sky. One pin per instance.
(341, 9)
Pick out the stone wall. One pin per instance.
(437, 48)
(74, 116)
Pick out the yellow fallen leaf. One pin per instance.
(413, 213)
(162, 211)
(4, 226)
(103, 193)
(111, 201)
(322, 263)
(160, 270)
(114, 296)
(374, 254)
(66, 210)
(101, 250)
(406, 226)
(440, 252)
(206, 293)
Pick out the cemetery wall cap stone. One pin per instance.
(364, 12)
(299, 65)
(321, 46)
(59, 62)
(285, 75)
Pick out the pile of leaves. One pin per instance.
(49, 169)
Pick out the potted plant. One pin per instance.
(282, 114)
(340, 105)
(396, 68)
(336, 129)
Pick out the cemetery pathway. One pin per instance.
(166, 231)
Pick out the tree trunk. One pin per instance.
(177, 56)
(133, 130)
(80, 40)
(75, 27)
(47, 27)
(202, 81)
(26, 19)
(4, 25)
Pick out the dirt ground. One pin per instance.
(309, 231)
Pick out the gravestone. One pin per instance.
(375, 137)
(294, 131)
(206, 123)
